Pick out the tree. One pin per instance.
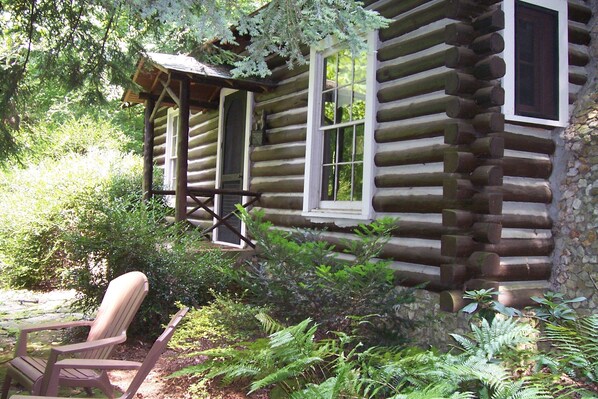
(49, 48)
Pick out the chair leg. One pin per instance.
(106, 385)
(88, 391)
(6, 386)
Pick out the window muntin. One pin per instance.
(536, 82)
(340, 127)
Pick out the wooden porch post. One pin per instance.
(148, 150)
(182, 152)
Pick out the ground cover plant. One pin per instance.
(503, 356)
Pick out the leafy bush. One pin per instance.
(45, 200)
(111, 239)
(224, 321)
(302, 276)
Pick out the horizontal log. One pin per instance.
(518, 298)
(209, 119)
(283, 72)
(458, 107)
(280, 202)
(453, 274)
(489, 233)
(290, 135)
(410, 110)
(287, 185)
(578, 76)
(527, 193)
(268, 153)
(292, 101)
(490, 96)
(458, 34)
(459, 83)
(203, 151)
(578, 55)
(418, 277)
(579, 34)
(457, 246)
(402, 253)
(578, 11)
(463, 9)
(284, 169)
(519, 142)
(293, 86)
(521, 247)
(517, 271)
(410, 180)
(421, 230)
(487, 203)
(487, 175)
(460, 57)
(410, 131)
(459, 133)
(491, 43)
(490, 68)
(459, 162)
(489, 122)
(202, 164)
(421, 17)
(412, 45)
(457, 218)
(204, 138)
(207, 175)
(488, 147)
(411, 203)
(490, 21)
(457, 189)
(428, 154)
(452, 301)
(526, 167)
(427, 83)
(393, 8)
(526, 221)
(480, 260)
(410, 66)
(286, 119)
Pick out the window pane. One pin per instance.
(357, 181)
(344, 182)
(360, 67)
(328, 107)
(328, 183)
(345, 143)
(330, 64)
(343, 111)
(359, 101)
(329, 156)
(359, 141)
(345, 68)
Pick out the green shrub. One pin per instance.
(224, 321)
(112, 238)
(42, 203)
(300, 275)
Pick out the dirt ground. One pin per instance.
(26, 307)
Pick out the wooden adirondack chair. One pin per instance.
(143, 369)
(119, 305)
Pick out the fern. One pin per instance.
(576, 347)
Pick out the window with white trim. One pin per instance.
(340, 131)
(170, 159)
(536, 81)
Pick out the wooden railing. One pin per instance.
(204, 197)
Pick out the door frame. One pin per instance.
(245, 184)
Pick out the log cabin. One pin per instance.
(447, 123)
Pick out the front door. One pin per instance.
(231, 167)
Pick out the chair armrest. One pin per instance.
(51, 373)
(21, 348)
(97, 364)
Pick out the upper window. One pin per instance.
(341, 118)
(172, 132)
(536, 81)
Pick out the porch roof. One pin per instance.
(157, 72)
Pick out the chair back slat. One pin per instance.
(119, 305)
(153, 355)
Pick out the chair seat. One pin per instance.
(30, 371)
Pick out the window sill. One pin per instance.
(340, 217)
(535, 121)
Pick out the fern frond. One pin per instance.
(269, 325)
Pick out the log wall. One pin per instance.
(471, 192)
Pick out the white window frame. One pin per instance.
(560, 6)
(312, 205)
(169, 159)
